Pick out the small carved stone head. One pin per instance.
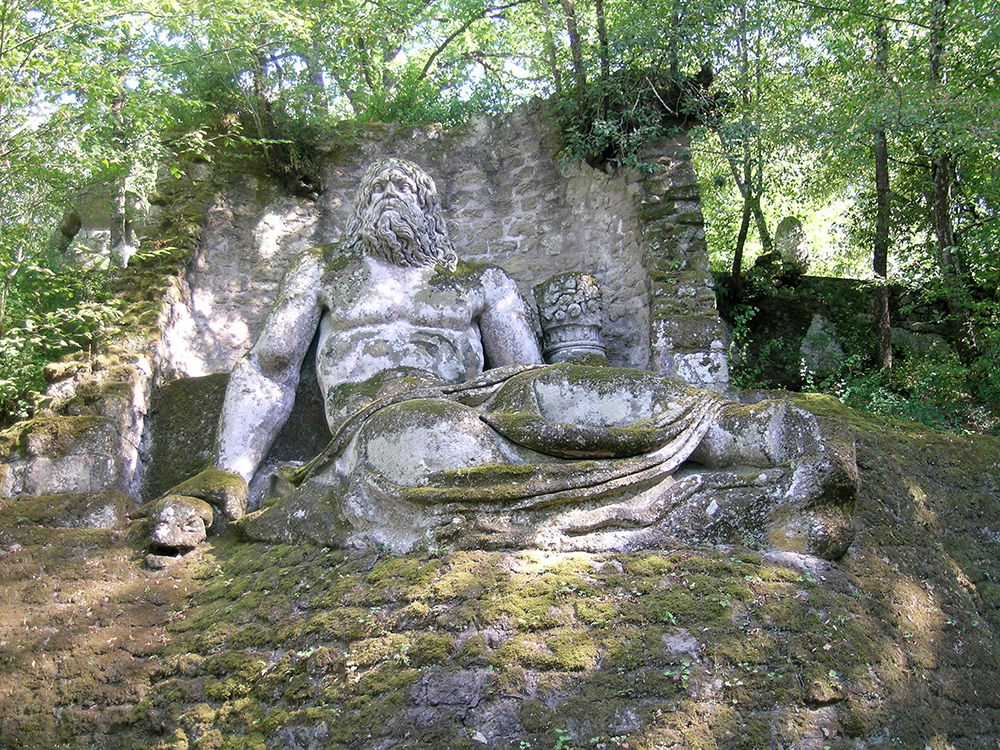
(397, 216)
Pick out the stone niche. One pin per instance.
(509, 201)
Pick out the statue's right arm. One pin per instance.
(262, 386)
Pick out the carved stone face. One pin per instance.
(179, 523)
(397, 217)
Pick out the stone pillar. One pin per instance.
(571, 313)
(687, 336)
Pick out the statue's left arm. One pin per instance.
(262, 387)
(505, 323)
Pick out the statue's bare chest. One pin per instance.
(376, 295)
(380, 319)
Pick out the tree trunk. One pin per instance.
(8, 278)
(318, 101)
(550, 47)
(579, 72)
(741, 240)
(750, 193)
(880, 250)
(757, 185)
(673, 55)
(766, 241)
(4, 292)
(944, 233)
(123, 240)
(602, 41)
(955, 282)
(8, 281)
(751, 187)
(353, 99)
(941, 166)
(262, 102)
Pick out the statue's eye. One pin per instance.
(402, 185)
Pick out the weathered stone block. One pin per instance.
(183, 416)
(682, 193)
(691, 218)
(55, 455)
(656, 210)
(692, 347)
(690, 331)
(706, 369)
(96, 510)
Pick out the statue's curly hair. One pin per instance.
(369, 231)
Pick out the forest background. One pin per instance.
(874, 123)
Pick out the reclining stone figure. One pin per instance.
(448, 429)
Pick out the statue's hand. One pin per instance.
(224, 491)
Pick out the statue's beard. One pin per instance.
(396, 231)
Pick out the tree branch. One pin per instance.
(916, 164)
(461, 30)
(192, 58)
(856, 12)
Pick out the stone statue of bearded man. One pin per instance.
(447, 428)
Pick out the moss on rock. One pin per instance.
(47, 435)
(96, 510)
(269, 645)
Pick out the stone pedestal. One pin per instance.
(571, 313)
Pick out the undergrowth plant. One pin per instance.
(53, 311)
(934, 386)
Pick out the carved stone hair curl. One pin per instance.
(368, 230)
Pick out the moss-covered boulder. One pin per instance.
(58, 454)
(224, 491)
(177, 523)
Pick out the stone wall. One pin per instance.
(507, 201)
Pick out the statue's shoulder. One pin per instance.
(467, 268)
(479, 271)
(325, 259)
(312, 270)
(339, 255)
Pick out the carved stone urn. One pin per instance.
(571, 313)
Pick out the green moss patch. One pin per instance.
(105, 510)
(48, 435)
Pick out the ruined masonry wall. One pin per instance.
(688, 339)
(507, 201)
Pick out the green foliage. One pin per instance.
(932, 386)
(52, 312)
(609, 122)
(746, 372)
